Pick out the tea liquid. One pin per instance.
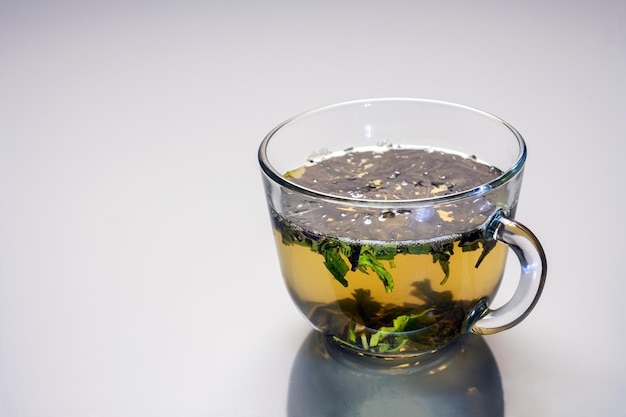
(388, 280)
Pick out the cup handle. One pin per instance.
(534, 267)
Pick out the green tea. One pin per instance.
(386, 281)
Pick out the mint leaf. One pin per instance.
(367, 258)
(331, 250)
(442, 254)
(488, 245)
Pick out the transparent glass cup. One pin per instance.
(400, 273)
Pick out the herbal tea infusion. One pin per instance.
(368, 277)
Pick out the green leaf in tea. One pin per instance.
(368, 259)
(331, 250)
(390, 328)
(340, 256)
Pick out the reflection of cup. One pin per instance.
(460, 380)
(392, 219)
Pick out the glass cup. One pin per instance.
(393, 218)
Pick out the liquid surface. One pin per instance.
(390, 174)
(394, 173)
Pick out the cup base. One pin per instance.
(390, 363)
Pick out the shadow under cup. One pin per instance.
(462, 380)
(386, 274)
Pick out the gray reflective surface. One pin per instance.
(462, 380)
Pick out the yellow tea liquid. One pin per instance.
(388, 281)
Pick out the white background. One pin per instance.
(137, 271)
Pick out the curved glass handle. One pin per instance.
(533, 262)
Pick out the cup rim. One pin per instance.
(280, 179)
